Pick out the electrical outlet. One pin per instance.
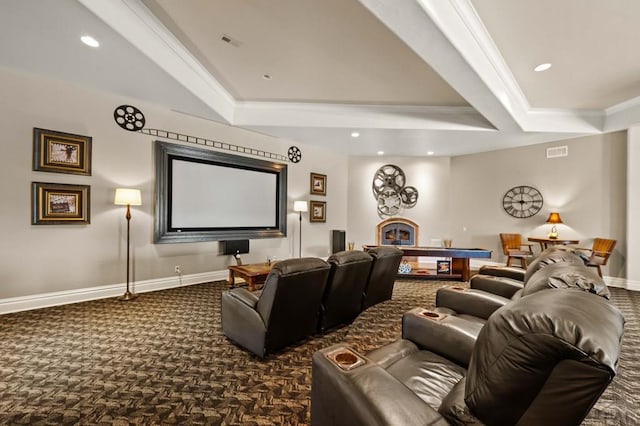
(177, 269)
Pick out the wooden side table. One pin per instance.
(255, 273)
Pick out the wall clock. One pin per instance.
(522, 201)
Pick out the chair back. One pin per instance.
(602, 249)
(384, 270)
(290, 301)
(510, 242)
(537, 362)
(342, 300)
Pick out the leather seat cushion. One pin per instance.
(428, 375)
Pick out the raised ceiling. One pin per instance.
(412, 76)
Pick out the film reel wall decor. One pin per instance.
(132, 119)
(390, 191)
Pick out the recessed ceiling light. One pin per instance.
(542, 67)
(89, 41)
(380, 152)
(355, 134)
(267, 76)
(430, 153)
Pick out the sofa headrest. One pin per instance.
(343, 257)
(566, 276)
(380, 252)
(293, 266)
(531, 346)
(550, 256)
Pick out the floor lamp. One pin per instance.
(128, 197)
(300, 206)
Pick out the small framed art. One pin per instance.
(318, 211)
(60, 152)
(443, 267)
(60, 204)
(318, 184)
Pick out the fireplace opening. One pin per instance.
(397, 232)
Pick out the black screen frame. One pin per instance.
(166, 152)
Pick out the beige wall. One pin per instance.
(587, 188)
(45, 259)
(429, 175)
(461, 197)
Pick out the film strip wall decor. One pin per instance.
(132, 119)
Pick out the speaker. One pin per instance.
(234, 247)
(337, 240)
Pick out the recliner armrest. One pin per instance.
(502, 286)
(469, 301)
(364, 395)
(447, 335)
(245, 296)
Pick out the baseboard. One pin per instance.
(45, 300)
(622, 283)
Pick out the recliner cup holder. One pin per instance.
(435, 316)
(345, 359)
(457, 288)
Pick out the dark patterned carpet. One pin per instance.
(162, 359)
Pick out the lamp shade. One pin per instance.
(300, 206)
(554, 218)
(127, 196)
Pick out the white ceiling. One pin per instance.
(412, 76)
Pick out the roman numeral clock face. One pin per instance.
(522, 201)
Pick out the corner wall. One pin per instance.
(587, 188)
(45, 259)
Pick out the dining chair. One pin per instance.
(598, 254)
(514, 248)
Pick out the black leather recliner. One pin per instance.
(342, 300)
(386, 261)
(285, 312)
(542, 359)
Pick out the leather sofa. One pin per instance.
(342, 300)
(284, 312)
(543, 356)
(542, 359)
(384, 270)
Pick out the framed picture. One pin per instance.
(60, 204)
(59, 152)
(318, 184)
(443, 267)
(318, 211)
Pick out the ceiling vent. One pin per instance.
(557, 151)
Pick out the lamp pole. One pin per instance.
(127, 294)
(300, 235)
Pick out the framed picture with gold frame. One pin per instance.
(60, 204)
(318, 184)
(318, 210)
(60, 152)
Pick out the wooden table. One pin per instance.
(460, 269)
(545, 242)
(254, 273)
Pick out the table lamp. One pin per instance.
(300, 206)
(554, 218)
(128, 197)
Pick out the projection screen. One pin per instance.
(205, 195)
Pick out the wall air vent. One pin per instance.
(557, 151)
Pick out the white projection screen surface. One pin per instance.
(214, 196)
